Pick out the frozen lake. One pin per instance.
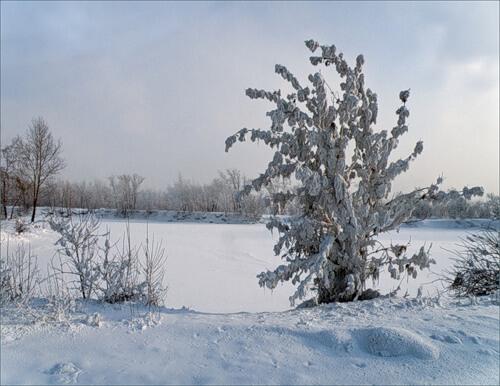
(213, 267)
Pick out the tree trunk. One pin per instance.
(4, 196)
(346, 287)
(12, 208)
(33, 213)
(35, 201)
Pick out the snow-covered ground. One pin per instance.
(211, 269)
(383, 341)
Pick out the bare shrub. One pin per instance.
(129, 275)
(153, 269)
(19, 275)
(476, 270)
(119, 271)
(5, 282)
(79, 243)
(112, 274)
(60, 302)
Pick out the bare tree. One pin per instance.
(12, 179)
(233, 180)
(135, 182)
(6, 166)
(40, 158)
(125, 190)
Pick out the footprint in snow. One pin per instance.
(475, 339)
(485, 351)
(65, 372)
(447, 338)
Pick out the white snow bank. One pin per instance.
(383, 341)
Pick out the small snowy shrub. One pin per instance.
(476, 270)
(19, 275)
(20, 226)
(112, 274)
(153, 270)
(4, 281)
(119, 272)
(133, 273)
(79, 243)
(60, 302)
(326, 140)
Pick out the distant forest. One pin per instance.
(30, 165)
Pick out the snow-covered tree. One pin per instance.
(125, 189)
(328, 143)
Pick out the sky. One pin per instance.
(156, 88)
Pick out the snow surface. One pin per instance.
(211, 269)
(382, 341)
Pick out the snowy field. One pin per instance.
(237, 333)
(213, 267)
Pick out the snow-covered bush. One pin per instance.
(79, 243)
(476, 270)
(20, 226)
(153, 269)
(5, 288)
(119, 272)
(132, 273)
(109, 273)
(326, 140)
(60, 302)
(19, 275)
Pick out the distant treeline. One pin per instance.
(459, 207)
(30, 163)
(125, 193)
